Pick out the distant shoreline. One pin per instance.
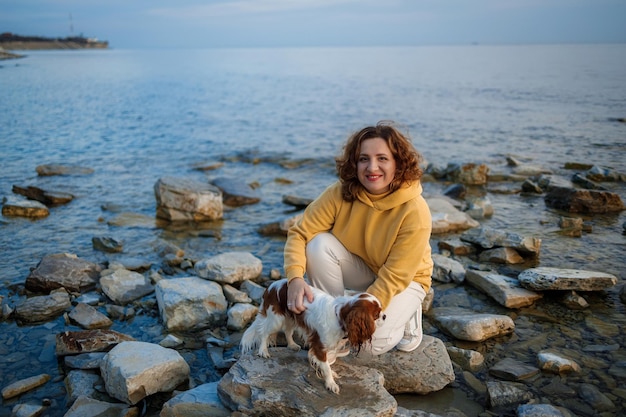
(9, 41)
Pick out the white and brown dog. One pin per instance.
(326, 323)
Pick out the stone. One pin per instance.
(456, 247)
(555, 363)
(182, 199)
(447, 218)
(47, 197)
(84, 406)
(43, 307)
(595, 398)
(123, 286)
(28, 410)
(469, 360)
(235, 192)
(446, 269)
(63, 270)
(470, 174)
(507, 256)
(503, 395)
(513, 370)
(233, 295)
(86, 341)
(201, 401)
(62, 169)
(89, 360)
(229, 267)
(470, 326)
(12, 206)
(81, 383)
(253, 290)
(584, 201)
(88, 317)
(106, 244)
(134, 370)
(296, 201)
(505, 290)
(538, 410)
(286, 385)
(24, 385)
(547, 278)
(240, 315)
(190, 303)
(488, 238)
(426, 369)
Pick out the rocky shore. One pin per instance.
(12, 42)
(484, 318)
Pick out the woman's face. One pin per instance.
(376, 166)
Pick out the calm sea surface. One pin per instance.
(137, 115)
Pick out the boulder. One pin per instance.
(546, 278)
(229, 267)
(188, 200)
(43, 307)
(467, 325)
(447, 218)
(505, 290)
(47, 197)
(123, 286)
(23, 208)
(584, 201)
(63, 270)
(87, 341)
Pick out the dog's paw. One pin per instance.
(332, 387)
(263, 353)
(294, 346)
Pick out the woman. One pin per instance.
(368, 232)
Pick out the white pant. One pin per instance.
(333, 269)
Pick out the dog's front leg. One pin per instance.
(322, 367)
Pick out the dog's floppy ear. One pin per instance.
(360, 325)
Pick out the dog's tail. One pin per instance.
(250, 339)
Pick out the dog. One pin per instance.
(327, 323)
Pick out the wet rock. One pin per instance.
(530, 186)
(235, 192)
(457, 191)
(172, 341)
(600, 174)
(596, 399)
(253, 290)
(61, 169)
(427, 369)
(571, 226)
(84, 360)
(447, 218)
(555, 363)
(467, 325)
(134, 370)
(86, 341)
(456, 247)
(539, 410)
(469, 360)
(546, 278)
(468, 174)
(279, 228)
(132, 220)
(240, 315)
(233, 295)
(84, 406)
(488, 238)
(123, 286)
(447, 270)
(63, 270)
(12, 206)
(88, 317)
(586, 183)
(197, 402)
(504, 395)
(230, 267)
(43, 307)
(24, 385)
(208, 165)
(298, 202)
(28, 410)
(501, 256)
(513, 370)
(505, 290)
(107, 244)
(574, 301)
(286, 385)
(549, 182)
(584, 201)
(47, 197)
(81, 383)
(190, 303)
(479, 207)
(530, 170)
(182, 199)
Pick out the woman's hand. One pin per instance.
(296, 291)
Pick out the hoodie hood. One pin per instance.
(389, 201)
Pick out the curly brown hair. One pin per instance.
(406, 156)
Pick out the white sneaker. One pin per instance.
(412, 333)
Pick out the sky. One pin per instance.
(293, 23)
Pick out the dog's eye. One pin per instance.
(384, 317)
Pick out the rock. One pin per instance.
(595, 398)
(63, 270)
(488, 238)
(24, 385)
(230, 267)
(236, 192)
(201, 401)
(469, 174)
(279, 228)
(86, 341)
(286, 385)
(469, 360)
(240, 315)
(597, 173)
(81, 383)
(123, 286)
(190, 303)
(555, 363)
(134, 370)
(530, 186)
(501, 256)
(455, 191)
(47, 197)
(539, 410)
(574, 301)
(298, 202)
(88, 317)
(12, 206)
(43, 308)
(132, 220)
(546, 278)
(447, 270)
(60, 169)
(505, 290)
(185, 199)
(513, 370)
(584, 201)
(446, 218)
(208, 166)
(28, 410)
(479, 207)
(586, 183)
(253, 290)
(549, 182)
(529, 170)
(427, 369)
(504, 395)
(84, 406)
(456, 247)
(233, 295)
(468, 325)
(84, 360)
(107, 244)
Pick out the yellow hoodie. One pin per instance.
(390, 232)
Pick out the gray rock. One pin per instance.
(555, 363)
(236, 192)
(546, 278)
(85, 406)
(18, 207)
(188, 200)
(513, 370)
(584, 201)
(504, 395)
(62, 169)
(467, 325)
(240, 315)
(88, 317)
(596, 399)
(487, 238)
(447, 218)
(469, 360)
(538, 410)
(63, 270)
(505, 290)
(106, 244)
(81, 383)
(201, 401)
(123, 286)
(253, 290)
(230, 267)
(501, 256)
(43, 307)
(47, 197)
(135, 370)
(84, 360)
(286, 385)
(447, 270)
